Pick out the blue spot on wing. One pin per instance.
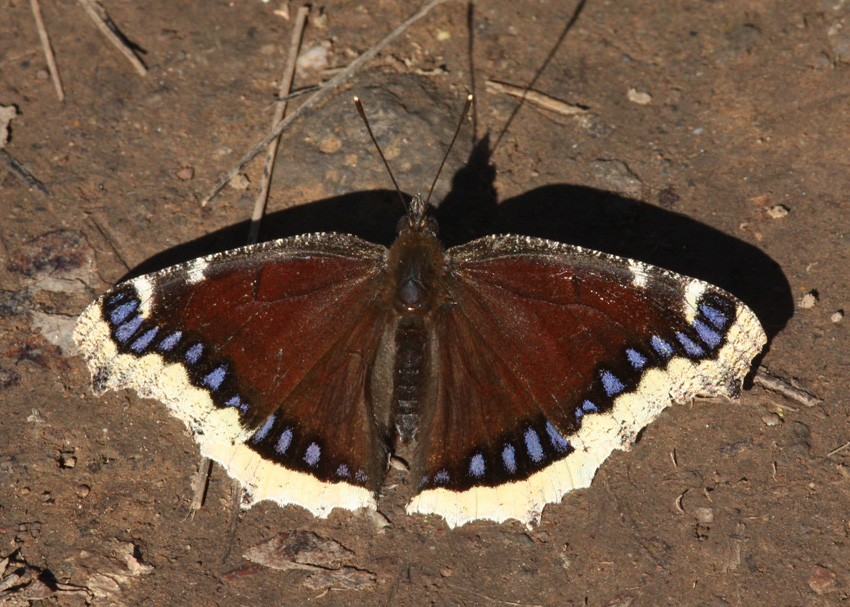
(661, 346)
(312, 455)
(441, 478)
(141, 344)
(636, 359)
(170, 342)
(121, 313)
(532, 445)
(586, 407)
(560, 443)
(263, 431)
(126, 331)
(509, 458)
(610, 383)
(709, 336)
(714, 316)
(342, 471)
(116, 298)
(476, 465)
(284, 441)
(193, 354)
(214, 380)
(236, 401)
(690, 346)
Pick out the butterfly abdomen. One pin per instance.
(409, 377)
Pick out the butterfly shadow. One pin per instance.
(580, 215)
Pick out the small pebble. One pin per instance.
(704, 515)
(639, 97)
(808, 301)
(186, 173)
(778, 211)
(67, 461)
(83, 490)
(771, 419)
(330, 144)
(822, 580)
(838, 316)
(240, 182)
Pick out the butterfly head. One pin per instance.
(417, 218)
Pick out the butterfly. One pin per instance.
(509, 367)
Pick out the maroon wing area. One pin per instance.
(534, 336)
(285, 332)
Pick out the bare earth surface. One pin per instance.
(714, 143)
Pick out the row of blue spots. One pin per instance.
(586, 407)
(312, 454)
(533, 446)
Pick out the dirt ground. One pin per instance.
(713, 140)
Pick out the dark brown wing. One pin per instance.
(549, 357)
(264, 352)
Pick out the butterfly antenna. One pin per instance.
(380, 153)
(451, 145)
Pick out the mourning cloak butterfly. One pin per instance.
(514, 366)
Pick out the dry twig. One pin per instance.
(766, 379)
(539, 99)
(101, 19)
(280, 111)
(48, 51)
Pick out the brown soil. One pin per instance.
(726, 161)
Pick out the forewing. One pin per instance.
(549, 357)
(264, 352)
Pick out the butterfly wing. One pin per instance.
(549, 357)
(264, 352)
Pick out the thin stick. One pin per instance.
(326, 89)
(768, 380)
(843, 447)
(48, 50)
(280, 111)
(544, 101)
(101, 19)
(22, 173)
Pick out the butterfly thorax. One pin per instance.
(415, 263)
